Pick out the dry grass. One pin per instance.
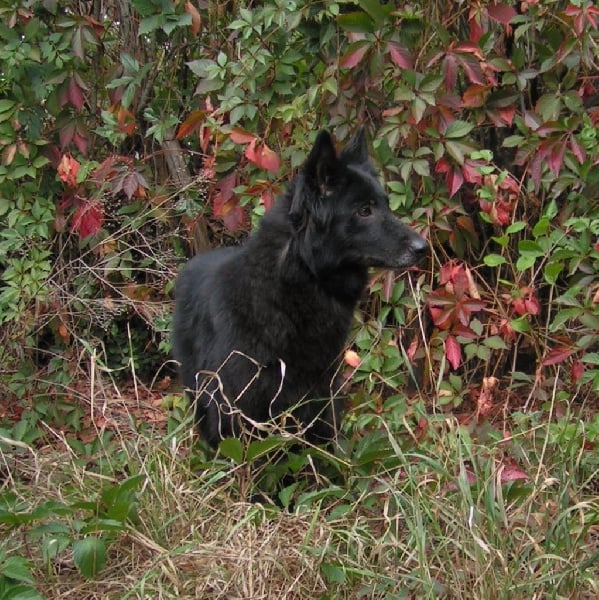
(434, 520)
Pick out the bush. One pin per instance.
(134, 134)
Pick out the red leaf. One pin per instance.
(209, 167)
(454, 180)
(576, 370)
(354, 57)
(450, 69)
(450, 271)
(68, 169)
(240, 136)
(471, 172)
(555, 160)
(226, 205)
(233, 217)
(558, 355)
(193, 122)
(267, 199)
(205, 136)
(125, 118)
(196, 20)
(519, 306)
(502, 13)
(401, 56)
(130, 184)
(470, 48)
(472, 67)
(412, 348)
(88, 218)
(226, 186)
(532, 305)
(66, 134)
(453, 175)
(229, 211)
(442, 318)
(463, 331)
(502, 116)
(577, 150)
(453, 352)
(75, 95)
(512, 473)
(474, 21)
(80, 140)
(475, 96)
(507, 114)
(465, 307)
(262, 156)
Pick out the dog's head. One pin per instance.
(341, 212)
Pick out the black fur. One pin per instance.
(258, 330)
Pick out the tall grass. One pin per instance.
(464, 512)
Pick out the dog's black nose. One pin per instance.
(419, 247)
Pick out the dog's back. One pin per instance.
(258, 329)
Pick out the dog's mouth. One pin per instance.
(397, 264)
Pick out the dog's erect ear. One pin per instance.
(318, 175)
(322, 164)
(356, 150)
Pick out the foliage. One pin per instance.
(484, 125)
(134, 134)
(460, 510)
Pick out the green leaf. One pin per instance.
(530, 247)
(89, 555)
(21, 592)
(261, 447)
(541, 227)
(333, 573)
(521, 324)
(418, 107)
(376, 11)
(552, 271)
(495, 343)
(502, 240)
(286, 494)
(421, 167)
(591, 358)
(525, 261)
(512, 140)
(456, 151)
(494, 260)
(548, 107)
(430, 83)
(357, 22)
(232, 448)
(6, 105)
(171, 24)
(458, 129)
(150, 24)
(17, 568)
(515, 227)
(551, 210)
(202, 67)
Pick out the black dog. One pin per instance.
(259, 329)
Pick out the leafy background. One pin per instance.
(135, 134)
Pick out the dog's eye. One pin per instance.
(365, 211)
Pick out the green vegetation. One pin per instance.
(140, 132)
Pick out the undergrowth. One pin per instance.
(134, 134)
(406, 509)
